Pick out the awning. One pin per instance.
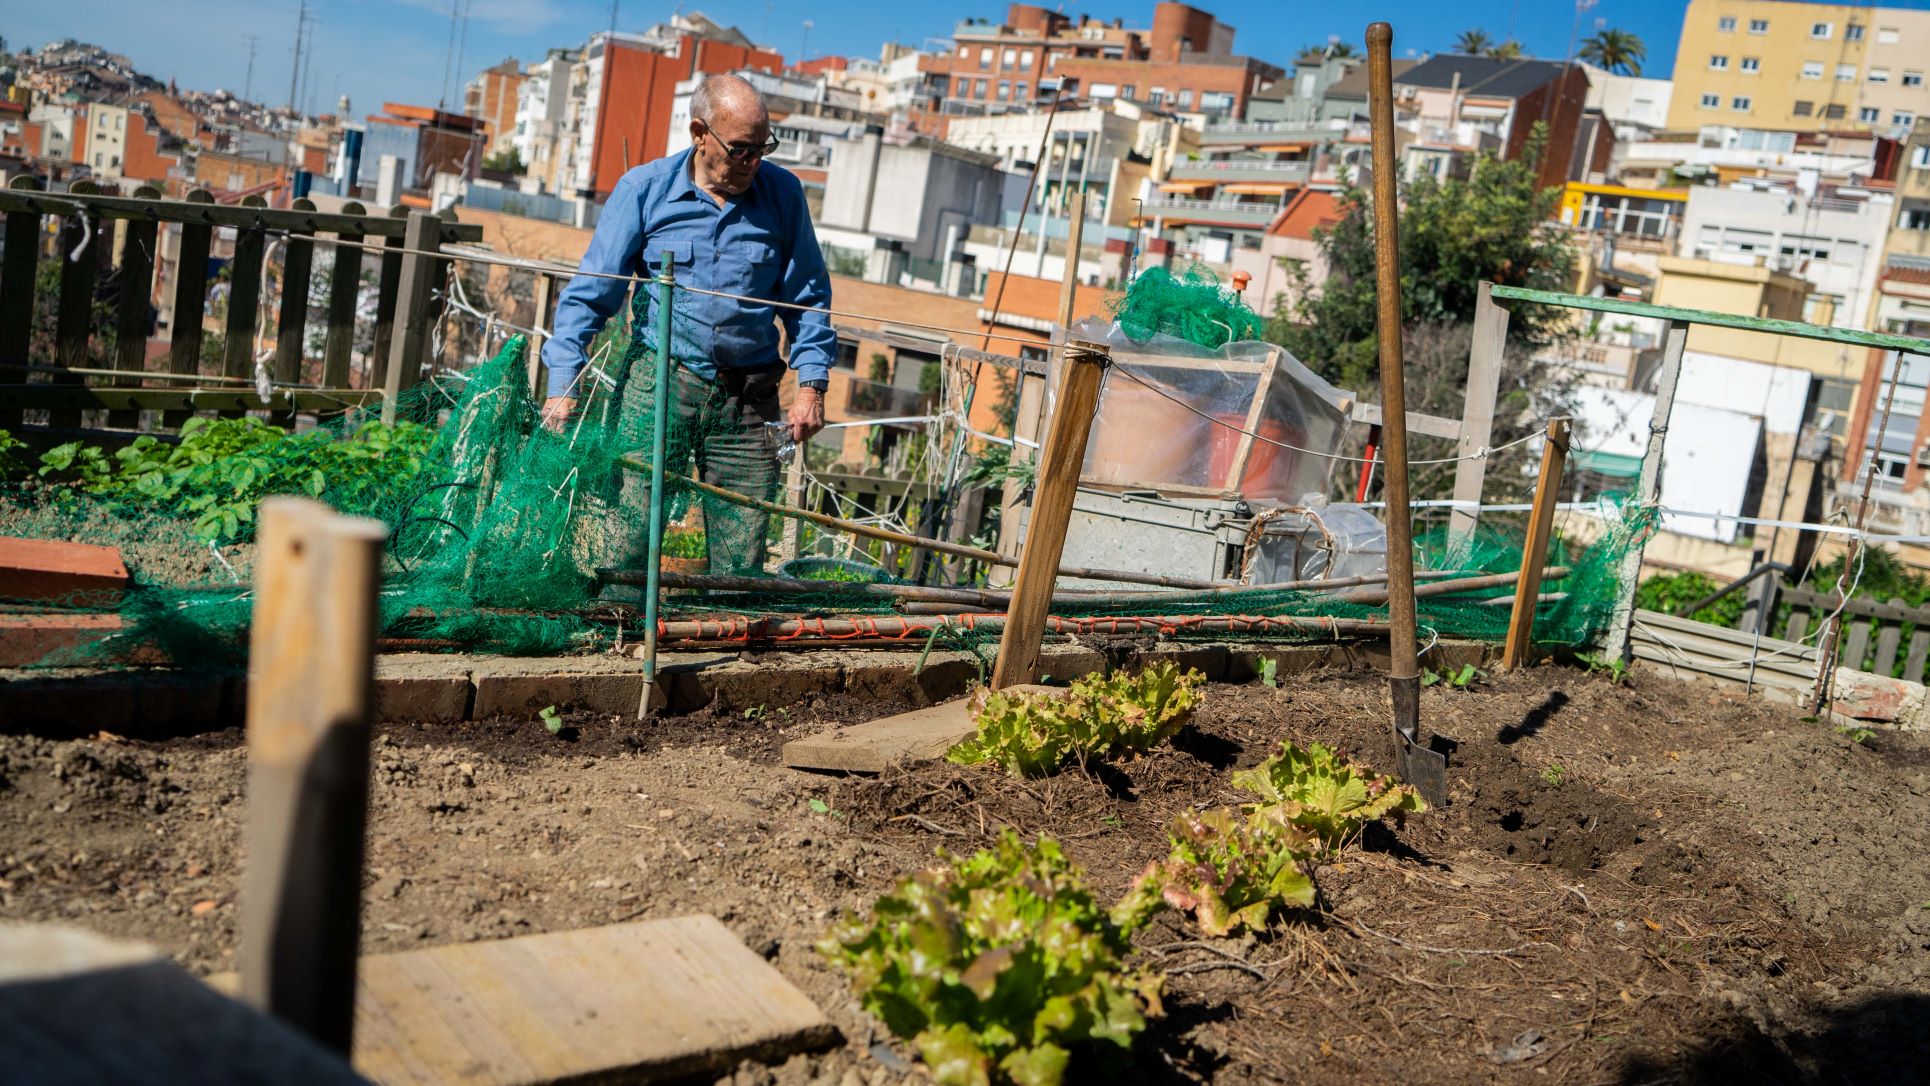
(1258, 188)
(1615, 465)
(1184, 186)
(1282, 148)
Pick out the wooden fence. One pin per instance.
(1874, 633)
(109, 245)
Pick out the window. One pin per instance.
(963, 89)
(1020, 91)
(1740, 103)
(964, 51)
(1758, 26)
(1913, 79)
(1822, 31)
(1915, 218)
(1903, 118)
(1813, 69)
(1025, 60)
(1186, 99)
(1216, 101)
(1853, 32)
(1803, 109)
(985, 57)
(1752, 64)
(978, 88)
(1011, 58)
(1005, 90)
(1868, 114)
(1726, 23)
(1833, 113)
(1887, 35)
(1711, 101)
(1878, 75)
(1718, 63)
(1102, 90)
(1130, 90)
(1920, 158)
(1846, 73)
(1156, 96)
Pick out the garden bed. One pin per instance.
(1650, 882)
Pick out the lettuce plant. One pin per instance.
(1228, 869)
(1326, 795)
(1033, 734)
(995, 966)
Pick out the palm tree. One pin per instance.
(1507, 50)
(1340, 49)
(1615, 51)
(1473, 42)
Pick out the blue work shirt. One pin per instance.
(759, 244)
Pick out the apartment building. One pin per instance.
(1460, 106)
(544, 114)
(1801, 66)
(1831, 236)
(494, 96)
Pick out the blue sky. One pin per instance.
(399, 50)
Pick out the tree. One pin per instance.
(510, 161)
(1497, 225)
(1615, 51)
(1507, 50)
(1341, 50)
(1474, 42)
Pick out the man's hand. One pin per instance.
(807, 414)
(557, 411)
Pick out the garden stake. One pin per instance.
(659, 441)
(1420, 766)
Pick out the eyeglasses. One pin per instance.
(739, 152)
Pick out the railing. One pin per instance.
(1227, 211)
(71, 376)
(1861, 619)
(1225, 170)
(1214, 132)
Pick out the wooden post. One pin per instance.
(539, 374)
(17, 287)
(1648, 489)
(1534, 552)
(291, 323)
(244, 300)
(190, 300)
(79, 245)
(1083, 371)
(1243, 448)
(1477, 409)
(388, 286)
(792, 544)
(1028, 420)
(133, 318)
(310, 683)
(409, 341)
(344, 289)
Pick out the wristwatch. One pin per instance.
(820, 386)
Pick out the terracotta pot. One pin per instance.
(1143, 439)
(1269, 468)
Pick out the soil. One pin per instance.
(1652, 882)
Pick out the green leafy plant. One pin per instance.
(1856, 733)
(551, 719)
(1460, 680)
(685, 543)
(996, 967)
(10, 464)
(1270, 673)
(1671, 592)
(1228, 869)
(1615, 669)
(1326, 795)
(1033, 734)
(1554, 774)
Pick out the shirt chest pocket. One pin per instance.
(654, 253)
(751, 267)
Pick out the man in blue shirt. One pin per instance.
(733, 223)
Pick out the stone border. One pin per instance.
(446, 689)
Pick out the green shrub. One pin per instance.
(1670, 592)
(995, 966)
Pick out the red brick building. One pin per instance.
(491, 97)
(634, 92)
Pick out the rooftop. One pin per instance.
(1491, 76)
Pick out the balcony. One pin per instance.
(1223, 171)
(1245, 132)
(1218, 212)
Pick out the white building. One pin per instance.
(542, 113)
(1831, 236)
(1633, 105)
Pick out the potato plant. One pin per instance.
(1033, 734)
(996, 967)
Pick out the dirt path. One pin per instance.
(1647, 883)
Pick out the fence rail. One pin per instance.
(110, 254)
(1874, 634)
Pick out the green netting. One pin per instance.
(1193, 306)
(498, 527)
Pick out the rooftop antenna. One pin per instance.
(613, 15)
(294, 76)
(248, 81)
(462, 46)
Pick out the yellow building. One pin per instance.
(1772, 64)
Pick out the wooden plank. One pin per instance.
(921, 735)
(190, 300)
(1534, 553)
(539, 374)
(248, 216)
(1798, 627)
(640, 1002)
(134, 316)
(1485, 351)
(409, 341)
(388, 288)
(1083, 371)
(1243, 447)
(1686, 317)
(17, 266)
(78, 251)
(1857, 648)
(79, 1008)
(244, 302)
(311, 680)
(1648, 486)
(1893, 611)
(291, 323)
(1368, 414)
(1919, 650)
(1888, 636)
(226, 400)
(54, 571)
(344, 289)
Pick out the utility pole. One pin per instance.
(294, 75)
(613, 15)
(248, 81)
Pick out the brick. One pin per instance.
(1877, 698)
(29, 640)
(1209, 659)
(80, 574)
(1065, 663)
(736, 687)
(139, 705)
(422, 699)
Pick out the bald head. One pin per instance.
(720, 98)
(730, 133)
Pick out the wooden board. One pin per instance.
(640, 1002)
(921, 735)
(76, 1007)
(60, 572)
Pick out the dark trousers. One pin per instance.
(721, 426)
